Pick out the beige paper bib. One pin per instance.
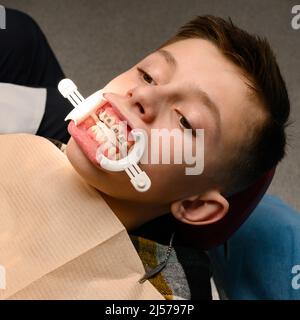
(58, 237)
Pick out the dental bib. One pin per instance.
(59, 239)
(83, 108)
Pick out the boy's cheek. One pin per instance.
(167, 180)
(119, 85)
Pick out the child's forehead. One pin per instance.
(191, 55)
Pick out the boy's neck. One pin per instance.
(132, 214)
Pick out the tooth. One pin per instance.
(100, 137)
(115, 156)
(115, 128)
(122, 138)
(102, 115)
(93, 115)
(109, 121)
(94, 129)
(124, 148)
(99, 134)
(111, 152)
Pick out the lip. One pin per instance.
(81, 140)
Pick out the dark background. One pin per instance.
(95, 40)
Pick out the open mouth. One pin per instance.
(104, 131)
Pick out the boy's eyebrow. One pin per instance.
(169, 58)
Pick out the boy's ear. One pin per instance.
(201, 210)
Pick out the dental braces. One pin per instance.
(82, 109)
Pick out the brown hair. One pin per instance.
(255, 58)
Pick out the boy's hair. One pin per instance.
(265, 147)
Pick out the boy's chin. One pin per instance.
(104, 181)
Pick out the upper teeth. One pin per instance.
(109, 128)
(107, 119)
(102, 115)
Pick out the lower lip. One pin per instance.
(84, 141)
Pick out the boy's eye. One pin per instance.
(145, 76)
(185, 123)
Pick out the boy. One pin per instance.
(211, 76)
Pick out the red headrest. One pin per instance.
(240, 207)
(208, 236)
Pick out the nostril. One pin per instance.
(140, 108)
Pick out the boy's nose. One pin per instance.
(146, 102)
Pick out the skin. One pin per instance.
(160, 101)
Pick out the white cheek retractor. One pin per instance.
(85, 107)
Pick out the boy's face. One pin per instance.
(190, 79)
